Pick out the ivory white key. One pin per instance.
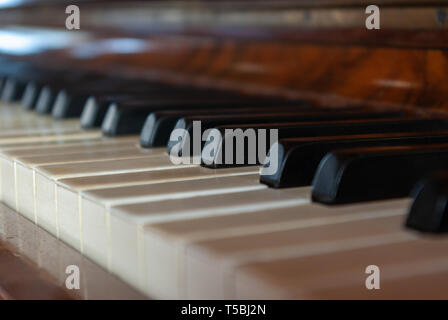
(33, 138)
(59, 140)
(24, 149)
(7, 167)
(18, 125)
(213, 261)
(18, 172)
(27, 188)
(66, 147)
(166, 243)
(48, 150)
(32, 147)
(68, 191)
(95, 204)
(8, 154)
(46, 177)
(420, 280)
(37, 126)
(24, 123)
(402, 255)
(127, 221)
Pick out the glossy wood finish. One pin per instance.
(33, 262)
(221, 14)
(318, 50)
(329, 74)
(333, 75)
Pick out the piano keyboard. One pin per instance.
(224, 232)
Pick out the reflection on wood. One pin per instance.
(33, 264)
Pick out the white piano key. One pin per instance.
(68, 147)
(7, 166)
(45, 177)
(18, 174)
(403, 255)
(95, 204)
(420, 280)
(127, 221)
(47, 127)
(33, 138)
(33, 194)
(165, 244)
(214, 261)
(9, 153)
(68, 198)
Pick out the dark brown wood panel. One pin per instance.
(290, 50)
(331, 74)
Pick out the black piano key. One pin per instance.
(13, 90)
(21, 71)
(159, 124)
(298, 158)
(326, 128)
(208, 122)
(45, 100)
(129, 117)
(68, 105)
(15, 73)
(51, 87)
(429, 209)
(18, 77)
(2, 81)
(376, 173)
(37, 82)
(48, 99)
(72, 105)
(96, 105)
(71, 101)
(30, 96)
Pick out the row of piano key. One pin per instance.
(191, 231)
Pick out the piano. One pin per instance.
(116, 181)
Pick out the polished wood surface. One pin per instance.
(33, 262)
(327, 73)
(299, 49)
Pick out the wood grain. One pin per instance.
(318, 50)
(327, 73)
